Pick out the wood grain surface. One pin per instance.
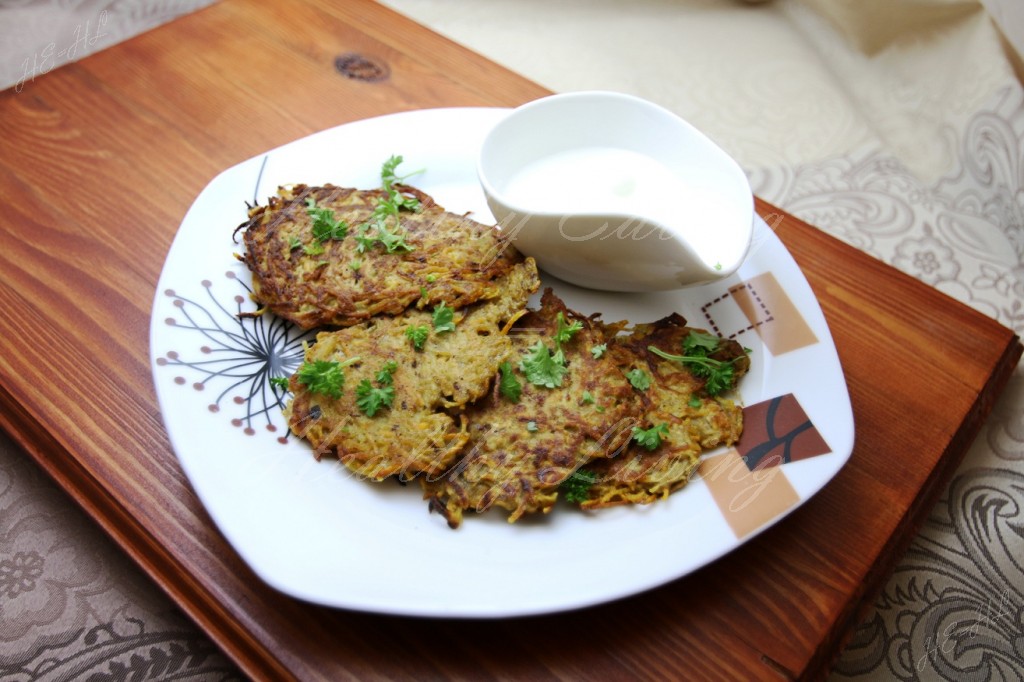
(99, 161)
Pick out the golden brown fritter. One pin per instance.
(330, 282)
(520, 451)
(422, 431)
(695, 420)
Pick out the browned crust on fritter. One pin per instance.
(453, 259)
(640, 476)
(422, 431)
(507, 465)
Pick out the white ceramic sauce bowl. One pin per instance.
(610, 191)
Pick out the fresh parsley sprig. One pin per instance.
(576, 488)
(508, 385)
(385, 226)
(541, 367)
(388, 176)
(650, 438)
(371, 399)
(544, 366)
(718, 375)
(325, 225)
(417, 334)
(639, 379)
(443, 318)
(326, 377)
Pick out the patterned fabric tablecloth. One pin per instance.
(896, 125)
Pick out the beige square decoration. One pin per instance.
(747, 499)
(772, 314)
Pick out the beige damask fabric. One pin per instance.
(895, 125)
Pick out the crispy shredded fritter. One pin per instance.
(331, 283)
(520, 452)
(696, 421)
(423, 429)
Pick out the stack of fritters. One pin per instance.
(452, 423)
(424, 429)
(521, 451)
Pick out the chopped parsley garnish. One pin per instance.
(417, 334)
(588, 398)
(718, 375)
(313, 249)
(444, 318)
(650, 438)
(599, 350)
(387, 172)
(508, 385)
(391, 238)
(279, 382)
(369, 398)
(576, 488)
(694, 401)
(294, 243)
(324, 376)
(541, 368)
(531, 426)
(383, 375)
(384, 226)
(355, 263)
(325, 226)
(564, 332)
(640, 379)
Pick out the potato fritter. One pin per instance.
(422, 431)
(315, 281)
(520, 451)
(696, 421)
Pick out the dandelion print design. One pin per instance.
(237, 354)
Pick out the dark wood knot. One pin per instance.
(361, 68)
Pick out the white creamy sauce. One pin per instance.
(623, 182)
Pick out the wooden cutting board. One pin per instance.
(99, 161)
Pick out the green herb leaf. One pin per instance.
(279, 382)
(444, 318)
(697, 341)
(531, 426)
(718, 375)
(371, 399)
(364, 240)
(392, 240)
(575, 489)
(588, 398)
(324, 376)
(383, 375)
(640, 379)
(325, 226)
(650, 438)
(388, 176)
(541, 368)
(294, 243)
(599, 350)
(564, 332)
(508, 385)
(418, 335)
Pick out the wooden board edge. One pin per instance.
(861, 603)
